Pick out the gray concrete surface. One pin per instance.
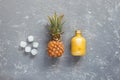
(99, 21)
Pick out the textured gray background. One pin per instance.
(99, 21)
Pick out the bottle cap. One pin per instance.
(78, 31)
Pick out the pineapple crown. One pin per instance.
(55, 26)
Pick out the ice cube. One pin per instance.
(35, 44)
(34, 51)
(27, 49)
(23, 44)
(30, 38)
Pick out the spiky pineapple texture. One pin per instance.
(55, 45)
(55, 48)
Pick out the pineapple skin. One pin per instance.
(55, 48)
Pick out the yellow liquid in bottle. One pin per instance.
(78, 44)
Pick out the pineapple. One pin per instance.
(55, 45)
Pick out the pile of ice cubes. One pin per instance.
(30, 46)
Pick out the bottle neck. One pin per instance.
(78, 34)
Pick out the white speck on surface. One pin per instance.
(117, 6)
(30, 38)
(23, 44)
(8, 42)
(89, 12)
(116, 53)
(89, 60)
(109, 77)
(26, 17)
(119, 46)
(110, 19)
(3, 60)
(100, 61)
(27, 49)
(34, 51)
(18, 12)
(88, 17)
(108, 42)
(102, 67)
(91, 48)
(99, 24)
(117, 34)
(90, 35)
(19, 25)
(82, 75)
(39, 21)
(97, 56)
(35, 44)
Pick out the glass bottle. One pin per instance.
(78, 44)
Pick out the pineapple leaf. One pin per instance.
(55, 18)
(50, 20)
(60, 18)
(55, 24)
